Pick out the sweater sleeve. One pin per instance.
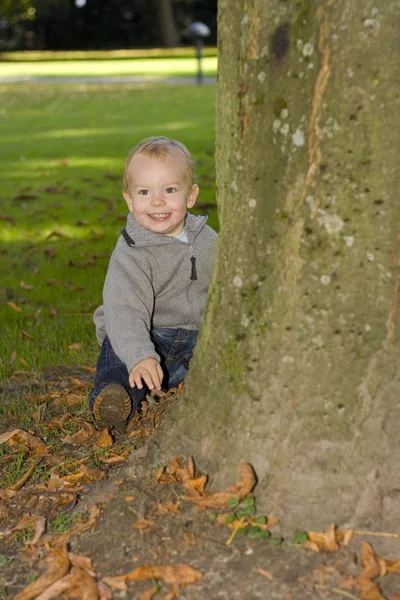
(128, 307)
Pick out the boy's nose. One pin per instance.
(158, 199)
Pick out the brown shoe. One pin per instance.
(112, 408)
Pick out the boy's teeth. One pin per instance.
(159, 215)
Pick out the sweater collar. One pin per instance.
(143, 237)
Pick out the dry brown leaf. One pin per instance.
(104, 591)
(39, 524)
(371, 565)
(313, 546)
(14, 306)
(117, 583)
(345, 536)
(129, 498)
(149, 594)
(265, 573)
(82, 562)
(58, 565)
(196, 486)
(104, 440)
(393, 566)
(19, 436)
(85, 474)
(82, 436)
(17, 485)
(325, 540)
(134, 433)
(171, 594)
(235, 524)
(176, 575)
(167, 508)
(25, 285)
(94, 512)
(239, 490)
(89, 369)
(369, 590)
(114, 459)
(77, 346)
(57, 588)
(143, 524)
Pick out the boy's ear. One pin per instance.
(192, 196)
(128, 200)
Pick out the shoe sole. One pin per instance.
(112, 408)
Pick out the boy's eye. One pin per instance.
(143, 192)
(170, 190)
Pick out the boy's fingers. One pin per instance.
(132, 380)
(137, 378)
(160, 372)
(147, 378)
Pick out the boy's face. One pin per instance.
(159, 192)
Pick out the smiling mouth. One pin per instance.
(159, 216)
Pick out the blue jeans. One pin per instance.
(175, 348)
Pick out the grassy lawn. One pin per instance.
(62, 153)
(143, 67)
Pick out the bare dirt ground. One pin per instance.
(125, 521)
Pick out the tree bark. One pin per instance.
(166, 28)
(297, 370)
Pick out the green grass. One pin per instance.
(57, 55)
(62, 149)
(143, 67)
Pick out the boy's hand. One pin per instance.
(149, 371)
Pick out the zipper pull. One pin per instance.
(193, 275)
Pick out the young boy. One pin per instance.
(155, 290)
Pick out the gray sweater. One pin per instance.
(149, 285)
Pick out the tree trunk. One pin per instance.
(166, 28)
(298, 367)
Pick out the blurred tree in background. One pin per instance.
(100, 24)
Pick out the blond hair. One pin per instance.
(159, 147)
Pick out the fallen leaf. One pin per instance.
(265, 573)
(176, 575)
(83, 435)
(240, 490)
(172, 594)
(85, 474)
(168, 508)
(25, 335)
(104, 440)
(40, 526)
(21, 482)
(104, 591)
(393, 566)
(129, 498)
(143, 524)
(94, 512)
(14, 307)
(19, 436)
(75, 346)
(150, 593)
(89, 369)
(25, 285)
(58, 566)
(369, 590)
(117, 583)
(372, 565)
(325, 540)
(345, 536)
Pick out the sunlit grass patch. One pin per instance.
(62, 153)
(143, 67)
